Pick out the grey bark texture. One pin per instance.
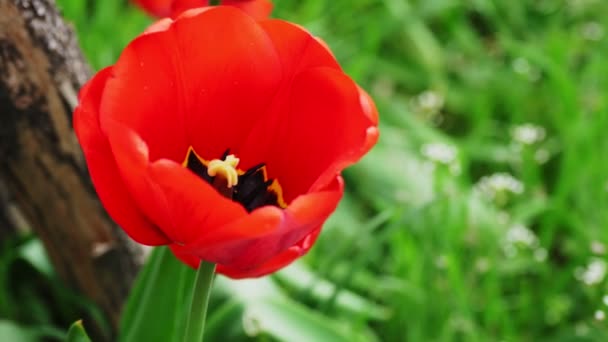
(42, 170)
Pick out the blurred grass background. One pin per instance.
(481, 215)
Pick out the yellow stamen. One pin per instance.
(226, 169)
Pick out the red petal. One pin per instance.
(174, 90)
(318, 124)
(184, 257)
(230, 86)
(184, 206)
(143, 94)
(159, 26)
(298, 51)
(258, 9)
(197, 209)
(253, 240)
(155, 8)
(132, 158)
(103, 170)
(180, 6)
(276, 263)
(326, 124)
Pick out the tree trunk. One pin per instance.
(42, 169)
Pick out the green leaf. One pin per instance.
(301, 278)
(77, 333)
(269, 311)
(34, 253)
(10, 331)
(158, 303)
(287, 320)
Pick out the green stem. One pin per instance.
(214, 2)
(195, 326)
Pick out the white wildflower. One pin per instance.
(251, 323)
(521, 66)
(482, 265)
(430, 101)
(593, 274)
(599, 315)
(439, 153)
(498, 186)
(592, 31)
(528, 134)
(441, 261)
(597, 247)
(520, 235)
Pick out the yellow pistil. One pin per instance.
(226, 169)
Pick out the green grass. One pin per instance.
(420, 238)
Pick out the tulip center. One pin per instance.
(224, 173)
(251, 188)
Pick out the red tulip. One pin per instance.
(164, 8)
(156, 8)
(224, 138)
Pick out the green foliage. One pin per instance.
(76, 333)
(13, 332)
(159, 303)
(481, 213)
(34, 305)
(161, 284)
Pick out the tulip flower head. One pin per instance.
(172, 8)
(223, 137)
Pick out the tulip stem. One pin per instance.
(195, 326)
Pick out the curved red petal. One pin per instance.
(298, 51)
(197, 209)
(229, 87)
(143, 95)
(180, 6)
(275, 263)
(158, 26)
(356, 151)
(185, 257)
(103, 169)
(132, 158)
(321, 121)
(232, 241)
(184, 206)
(251, 241)
(175, 91)
(326, 124)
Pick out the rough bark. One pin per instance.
(42, 169)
